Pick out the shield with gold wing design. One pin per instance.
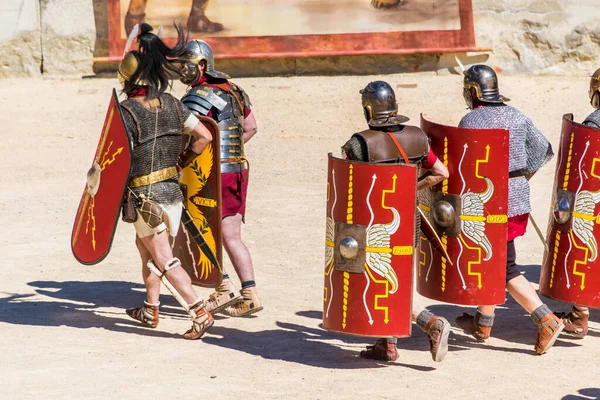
(202, 183)
(469, 212)
(100, 205)
(571, 269)
(369, 248)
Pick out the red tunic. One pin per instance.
(517, 226)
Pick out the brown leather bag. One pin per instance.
(128, 212)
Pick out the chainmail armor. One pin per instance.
(593, 120)
(142, 123)
(529, 149)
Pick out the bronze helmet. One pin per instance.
(128, 67)
(594, 89)
(380, 105)
(485, 81)
(197, 51)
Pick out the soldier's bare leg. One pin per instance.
(150, 280)
(136, 14)
(160, 250)
(148, 313)
(198, 22)
(242, 262)
(237, 251)
(162, 257)
(523, 293)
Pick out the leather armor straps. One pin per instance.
(381, 148)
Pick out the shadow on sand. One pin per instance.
(78, 304)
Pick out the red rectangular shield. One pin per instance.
(477, 161)
(571, 270)
(369, 248)
(100, 205)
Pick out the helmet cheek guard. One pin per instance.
(368, 110)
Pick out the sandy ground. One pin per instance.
(63, 327)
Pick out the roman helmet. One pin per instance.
(128, 68)
(380, 105)
(485, 81)
(594, 89)
(197, 51)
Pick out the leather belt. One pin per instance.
(234, 167)
(516, 174)
(153, 177)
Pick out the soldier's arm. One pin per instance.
(201, 137)
(538, 149)
(250, 127)
(437, 173)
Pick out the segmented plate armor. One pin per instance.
(529, 148)
(226, 111)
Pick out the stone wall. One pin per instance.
(540, 36)
(20, 38)
(53, 37)
(61, 37)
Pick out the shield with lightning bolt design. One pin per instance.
(469, 212)
(571, 268)
(202, 182)
(369, 241)
(100, 205)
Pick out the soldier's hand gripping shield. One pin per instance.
(369, 248)
(201, 182)
(571, 268)
(469, 212)
(100, 205)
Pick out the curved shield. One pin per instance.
(100, 205)
(201, 181)
(468, 211)
(369, 248)
(571, 268)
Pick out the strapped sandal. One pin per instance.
(381, 350)
(201, 324)
(438, 330)
(220, 300)
(576, 322)
(147, 314)
(550, 326)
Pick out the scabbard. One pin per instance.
(198, 238)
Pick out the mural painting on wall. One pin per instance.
(296, 28)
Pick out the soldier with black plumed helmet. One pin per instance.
(389, 140)
(156, 121)
(529, 150)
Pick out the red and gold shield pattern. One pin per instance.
(477, 161)
(571, 269)
(100, 204)
(369, 248)
(203, 200)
